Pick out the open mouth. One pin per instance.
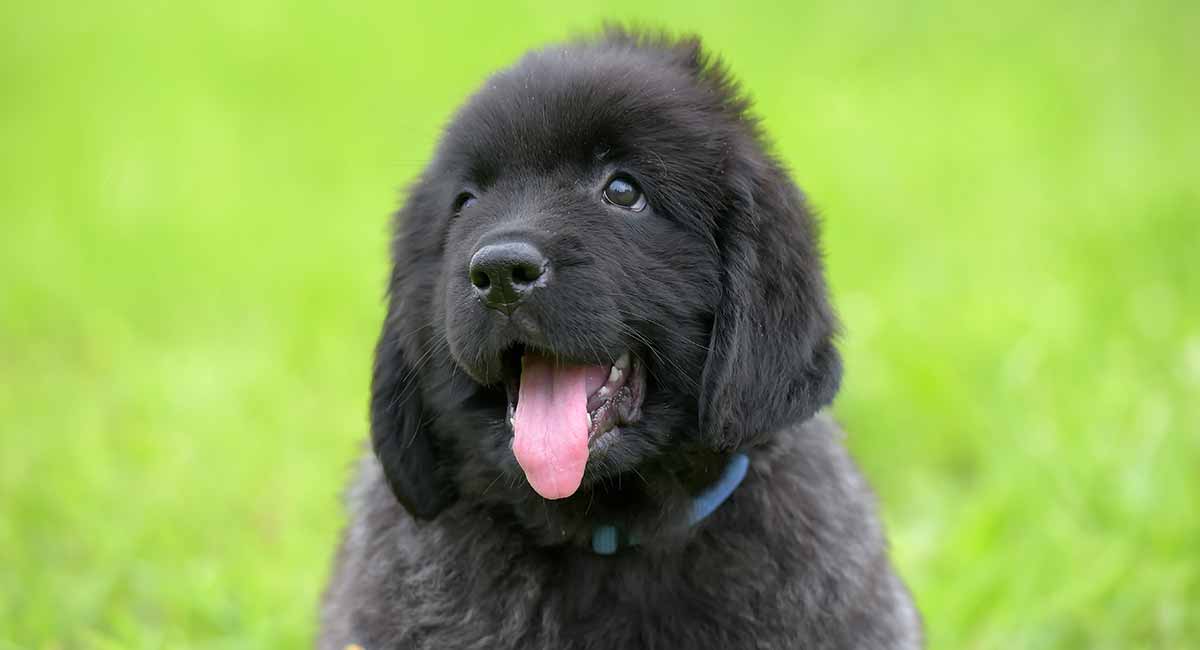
(614, 392)
(560, 412)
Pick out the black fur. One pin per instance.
(716, 287)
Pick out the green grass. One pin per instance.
(192, 255)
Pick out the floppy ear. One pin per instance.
(771, 360)
(399, 429)
(400, 433)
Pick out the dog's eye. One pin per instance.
(463, 201)
(623, 192)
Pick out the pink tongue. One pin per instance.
(550, 427)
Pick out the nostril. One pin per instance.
(525, 273)
(480, 279)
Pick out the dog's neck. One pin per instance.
(607, 538)
(653, 507)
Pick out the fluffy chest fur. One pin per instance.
(794, 559)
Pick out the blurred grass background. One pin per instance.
(194, 201)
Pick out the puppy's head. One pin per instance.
(600, 268)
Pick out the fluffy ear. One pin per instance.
(771, 361)
(399, 428)
(400, 433)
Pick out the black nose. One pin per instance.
(503, 274)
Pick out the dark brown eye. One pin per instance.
(463, 201)
(624, 193)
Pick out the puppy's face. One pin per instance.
(579, 276)
(564, 308)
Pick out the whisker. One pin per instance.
(639, 475)
(489, 487)
(684, 375)
(407, 382)
(669, 331)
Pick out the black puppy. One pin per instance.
(595, 409)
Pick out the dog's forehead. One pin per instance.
(578, 106)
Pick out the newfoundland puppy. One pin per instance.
(596, 404)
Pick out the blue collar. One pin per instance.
(605, 538)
